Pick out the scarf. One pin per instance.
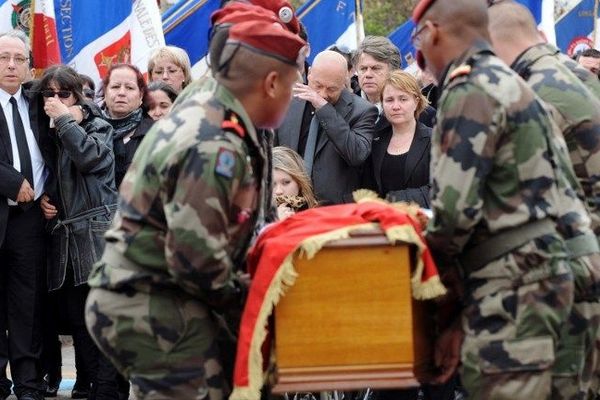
(125, 125)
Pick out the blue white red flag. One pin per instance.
(186, 25)
(43, 35)
(331, 22)
(95, 34)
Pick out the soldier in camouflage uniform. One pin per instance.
(188, 208)
(496, 197)
(577, 112)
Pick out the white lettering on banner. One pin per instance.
(143, 16)
(340, 6)
(66, 26)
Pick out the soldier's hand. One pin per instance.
(305, 92)
(47, 208)
(447, 352)
(26, 193)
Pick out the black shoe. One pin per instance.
(80, 394)
(51, 390)
(30, 395)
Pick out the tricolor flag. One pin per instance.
(186, 25)
(332, 22)
(44, 38)
(95, 34)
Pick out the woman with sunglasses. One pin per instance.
(80, 206)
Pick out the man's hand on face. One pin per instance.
(305, 92)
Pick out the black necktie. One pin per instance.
(24, 156)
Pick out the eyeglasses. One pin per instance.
(170, 71)
(63, 94)
(415, 37)
(89, 93)
(19, 60)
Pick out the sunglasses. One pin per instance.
(63, 94)
(89, 93)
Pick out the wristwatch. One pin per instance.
(84, 111)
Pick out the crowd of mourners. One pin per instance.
(356, 120)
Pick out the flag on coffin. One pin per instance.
(186, 25)
(332, 22)
(95, 34)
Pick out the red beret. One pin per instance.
(420, 9)
(270, 39)
(284, 11)
(236, 12)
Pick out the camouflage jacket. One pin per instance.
(189, 202)
(576, 111)
(589, 80)
(491, 162)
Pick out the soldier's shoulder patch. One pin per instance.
(225, 163)
(231, 123)
(461, 70)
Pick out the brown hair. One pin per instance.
(407, 83)
(290, 162)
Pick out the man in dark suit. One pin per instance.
(331, 128)
(23, 177)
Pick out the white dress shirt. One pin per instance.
(37, 162)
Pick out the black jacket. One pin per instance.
(343, 146)
(11, 179)
(124, 152)
(85, 194)
(416, 185)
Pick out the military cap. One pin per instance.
(270, 39)
(236, 12)
(284, 11)
(420, 9)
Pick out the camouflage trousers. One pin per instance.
(516, 310)
(165, 345)
(578, 354)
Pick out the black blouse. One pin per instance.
(392, 171)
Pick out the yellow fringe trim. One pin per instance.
(286, 276)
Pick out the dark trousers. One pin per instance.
(51, 351)
(22, 258)
(72, 303)
(110, 384)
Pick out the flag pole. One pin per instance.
(360, 30)
(595, 45)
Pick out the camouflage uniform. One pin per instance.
(495, 189)
(577, 113)
(188, 208)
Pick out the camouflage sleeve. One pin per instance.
(463, 149)
(198, 207)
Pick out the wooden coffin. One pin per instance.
(350, 322)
